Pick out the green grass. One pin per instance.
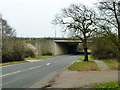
(17, 62)
(81, 65)
(41, 57)
(89, 57)
(114, 84)
(14, 62)
(113, 64)
(83, 50)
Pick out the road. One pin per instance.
(35, 74)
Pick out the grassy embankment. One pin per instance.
(18, 62)
(81, 65)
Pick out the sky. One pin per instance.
(32, 18)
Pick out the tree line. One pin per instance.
(100, 24)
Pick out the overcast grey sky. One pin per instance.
(32, 18)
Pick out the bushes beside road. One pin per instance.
(13, 49)
(102, 48)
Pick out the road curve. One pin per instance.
(35, 74)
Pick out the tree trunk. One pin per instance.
(85, 54)
(85, 51)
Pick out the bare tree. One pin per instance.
(7, 30)
(8, 40)
(79, 21)
(109, 23)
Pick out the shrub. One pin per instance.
(29, 53)
(12, 50)
(102, 48)
(15, 50)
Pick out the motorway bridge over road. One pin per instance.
(54, 46)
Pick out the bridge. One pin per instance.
(53, 46)
(66, 45)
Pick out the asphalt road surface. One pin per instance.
(35, 74)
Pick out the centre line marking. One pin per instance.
(35, 67)
(48, 64)
(10, 73)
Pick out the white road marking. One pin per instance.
(34, 67)
(48, 64)
(18, 71)
(10, 73)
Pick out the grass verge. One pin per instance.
(15, 62)
(81, 65)
(113, 64)
(18, 62)
(41, 57)
(114, 84)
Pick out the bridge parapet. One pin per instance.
(67, 41)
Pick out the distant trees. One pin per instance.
(79, 21)
(7, 30)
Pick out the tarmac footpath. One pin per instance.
(81, 79)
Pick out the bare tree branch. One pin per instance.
(79, 21)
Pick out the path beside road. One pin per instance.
(102, 66)
(77, 79)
